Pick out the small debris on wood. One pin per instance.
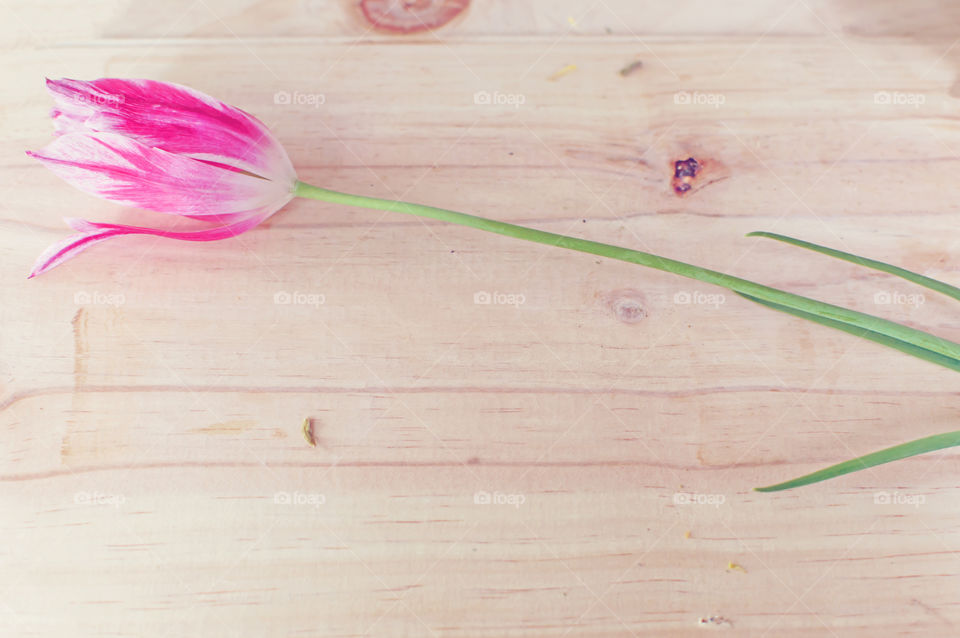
(714, 620)
(636, 65)
(308, 432)
(570, 68)
(736, 567)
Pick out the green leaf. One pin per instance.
(909, 275)
(895, 453)
(913, 448)
(892, 342)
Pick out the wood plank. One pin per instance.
(153, 470)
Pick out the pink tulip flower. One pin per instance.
(166, 148)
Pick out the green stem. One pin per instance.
(787, 300)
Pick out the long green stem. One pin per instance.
(892, 330)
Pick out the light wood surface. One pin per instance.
(154, 474)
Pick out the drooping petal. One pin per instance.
(173, 118)
(63, 250)
(121, 169)
(93, 233)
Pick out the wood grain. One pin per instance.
(154, 475)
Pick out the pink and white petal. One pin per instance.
(93, 233)
(123, 170)
(64, 122)
(171, 117)
(65, 249)
(219, 219)
(207, 234)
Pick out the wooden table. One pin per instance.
(574, 458)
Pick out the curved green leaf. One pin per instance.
(898, 344)
(895, 453)
(909, 275)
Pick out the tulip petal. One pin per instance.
(173, 118)
(63, 250)
(93, 233)
(123, 170)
